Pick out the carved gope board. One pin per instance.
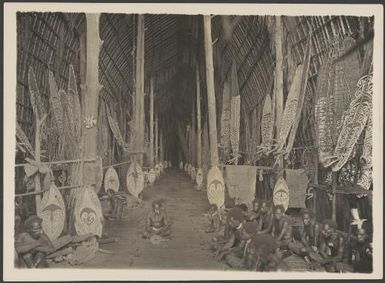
(199, 177)
(165, 164)
(193, 173)
(235, 124)
(151, 176)
(88, 213)
(267, 122)
(57, 107)
(181, 165)
(354, 121)
(281, 193)
(111, 180)
(189, 169)
(225, 119)
(323, 112)
(185, 167)
(291, 108)
(215, 187)
(365, 179)
(135, 179)
(73, 92)
(52, 211)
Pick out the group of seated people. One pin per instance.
(260, 239)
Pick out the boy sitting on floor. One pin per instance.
(213, 219)
(33, 245)
(157, 222)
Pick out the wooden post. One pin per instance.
(156, 136)
(193, 139)
(278, 74)
(278, 93)
(152, 122)
(38, 126)
(161, 145)
(91, 93)
(139, 87)
(334, 202)
(211, 92)
(199, 130)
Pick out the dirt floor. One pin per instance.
(189, 246)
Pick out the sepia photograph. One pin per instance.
(219, 141)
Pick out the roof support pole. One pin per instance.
(156, 136)
(152, 122)
(278, 86)
(139, 89)
(91, 90)
(210, 91)
(199, 130)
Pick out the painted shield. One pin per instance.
(193, 173)
(281, 193)
(181, 165)
(135, 179)
(199, 178)
(111, 180)
(52, 211)
(151, 176)
(88, 213)
(215, 187)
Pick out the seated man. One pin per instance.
(262, 255)
(266, 218)
(332, 248)
(213, 219)
(233, 250)
(281, 228)
(117, 202)
(307, 247)
(157, 222)
(255, 213)
(362, 253)
(33, 245)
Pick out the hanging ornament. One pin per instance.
(260, 178)
(89, 122)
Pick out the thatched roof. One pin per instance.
(173, 47)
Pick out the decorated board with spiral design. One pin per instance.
(135, 179)
(88, 212)
(215, 187)
(52, 211)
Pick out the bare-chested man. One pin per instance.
(157, 222)
(33, 245)
(233, 250)
(255, 213)
(332, 248)
(308, 246)
(281, 228)
(265, 222)
(262, 255)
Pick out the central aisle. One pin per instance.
(188, 248)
